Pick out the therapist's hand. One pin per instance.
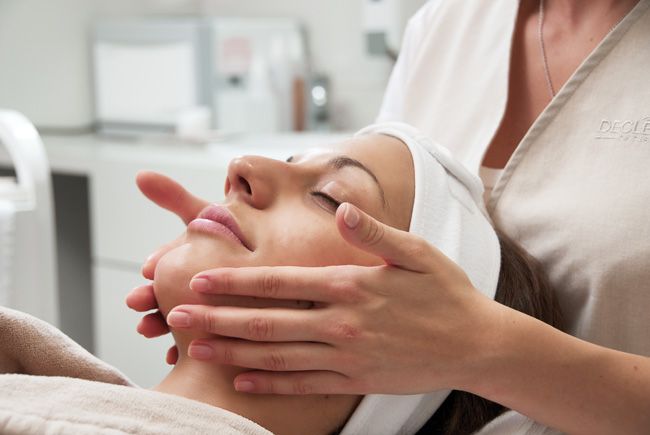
(410, 326)
(171, 196)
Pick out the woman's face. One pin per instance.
(284, 214)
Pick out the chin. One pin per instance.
(177, 267)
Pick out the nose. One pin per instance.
(254, 180)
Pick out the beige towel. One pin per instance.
(31, 346)
(51, 385)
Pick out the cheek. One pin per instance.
(311, 240)
(172, 276)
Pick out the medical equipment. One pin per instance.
(230, 74)
(28, 254)
(318, 103)
(384, 22)
(381, 26)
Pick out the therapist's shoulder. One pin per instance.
(425, 15)
(436, 12)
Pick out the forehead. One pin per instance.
(390, 160)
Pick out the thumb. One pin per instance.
(170, 195)
(397, 248)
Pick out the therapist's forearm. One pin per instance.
(563, 382)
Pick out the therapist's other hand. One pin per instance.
(407, 327)
(170, 195)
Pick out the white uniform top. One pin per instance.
(576, 192)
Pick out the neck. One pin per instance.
(579, 12)
(213, 384)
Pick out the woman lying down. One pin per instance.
(279, 213)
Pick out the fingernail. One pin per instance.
(179, 319)
(200, 351)
(200, 285)
(146, 263)
(244, 386)
(138, 328)
(351, 216)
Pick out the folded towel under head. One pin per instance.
(449, 213)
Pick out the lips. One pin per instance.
(217, 219)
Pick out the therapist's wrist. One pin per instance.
(518, 354)
(473, 344)
(495, 342)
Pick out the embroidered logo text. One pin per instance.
(625, 130)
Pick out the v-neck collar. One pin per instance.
(549, 113)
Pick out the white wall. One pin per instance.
(43, 68)
(45, 65)
(44, 54)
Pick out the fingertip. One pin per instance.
(179, 319)
(140, 328)
(200, 284)
(152, 325)
(128, 302)
(141, 175)
(351, 216)
(172, 356)
(200, 350)
(348, 215)
(146, 181)
(141, 298)
(244, 386)
(147, 270)
(349, 221)
(248, 382)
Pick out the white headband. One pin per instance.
(449, 213)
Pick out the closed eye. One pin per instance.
(326, 201)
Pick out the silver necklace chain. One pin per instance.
(542, 47)
(540, 36)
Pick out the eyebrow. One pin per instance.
(341, 162)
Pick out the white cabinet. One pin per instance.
(126, 226)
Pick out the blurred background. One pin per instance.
(176, 86)
(46, 50)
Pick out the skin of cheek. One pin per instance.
(310, 239)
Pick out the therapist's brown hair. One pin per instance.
(522, 286)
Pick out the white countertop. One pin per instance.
(80, 154)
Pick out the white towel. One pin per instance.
(7, 230)
(448, 212)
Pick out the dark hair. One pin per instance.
(524, 287)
